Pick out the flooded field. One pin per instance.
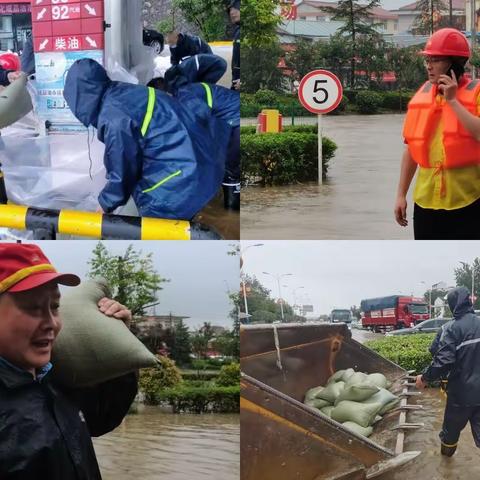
(357, 200)
(153, 445)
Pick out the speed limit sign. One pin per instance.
(320, 91)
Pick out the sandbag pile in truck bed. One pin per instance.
(355, 399)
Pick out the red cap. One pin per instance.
(24, 266)
(10, 61)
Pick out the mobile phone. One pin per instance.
(457, 69)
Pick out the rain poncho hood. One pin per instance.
(169, 155)
(84, 93)
(459, 302)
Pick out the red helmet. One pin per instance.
(447, 42)
(10, 61)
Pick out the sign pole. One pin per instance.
(320, 155)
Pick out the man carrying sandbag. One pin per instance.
(458, 356)
(45, 430)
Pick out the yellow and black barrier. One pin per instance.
(102, 226)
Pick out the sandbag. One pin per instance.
(361, 413)
(337, 376)
(317, 403)
(377, 379)
(356, 379)
(331, 391)
(347, 374)
(313, 392)
(357, 393)
(387, 399)
(327, 410)
(359, 430)
(15, 102)
(92, 348)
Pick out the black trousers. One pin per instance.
(455, 420)
(460, 224)
(232, 167)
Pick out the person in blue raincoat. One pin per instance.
(168, 155)
(183, 45)
(198, 75)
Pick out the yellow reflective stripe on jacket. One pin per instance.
(209, 94)
(161, 182)
(150, 107)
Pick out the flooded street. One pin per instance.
(153, 445)
(357, 200)
(465, 464)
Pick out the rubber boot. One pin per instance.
(447, 451)
(231, 196)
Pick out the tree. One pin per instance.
(208, 16)
(356, 312)
(463, 277)
(259, 24)
(429, 18)
(260, 67)
(306, 56)
(354, 15)
(200, 340)
(407, 65)
(179, 344)
(132, 278)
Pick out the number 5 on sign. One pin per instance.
(320, 92)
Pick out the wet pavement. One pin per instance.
(153, 445)
(357, 200)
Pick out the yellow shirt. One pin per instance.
(448, 189)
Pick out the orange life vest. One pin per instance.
(424, 113)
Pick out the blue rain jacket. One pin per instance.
(172, 170)
(187, 45)
(199, 68)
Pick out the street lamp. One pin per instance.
(294, 296)
(278, 277)
(242, 275)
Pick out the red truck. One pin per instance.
(394, 311)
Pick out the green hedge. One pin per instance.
(408, 351)
(201, 375)
(201, 399)
(251, 129)
(282, 158)
(362, 101)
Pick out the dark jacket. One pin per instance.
(440, 335)
(28, 57)
(199, 68)
(173, 170)
(187, 46)
(45, 432)
(458, 354)
(236, 54)
(4, 81)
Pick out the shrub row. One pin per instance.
(408, 351)
(187, 399)
(288, 157)
(362, 101)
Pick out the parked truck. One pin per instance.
(395, 311)
(341, 315)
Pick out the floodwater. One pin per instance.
(225, 222)
(357, 200)
(153, 445)
(465, 464)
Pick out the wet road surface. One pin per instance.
(357, 200)
(152, 445)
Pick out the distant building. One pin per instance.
(408, 13)
(164, 322)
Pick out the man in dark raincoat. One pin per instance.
(46, 430)
(234, 12)
(183, 45)
(458, 357)
(198, 75)
(169, 155)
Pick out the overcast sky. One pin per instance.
(339, 274)
(199, 274)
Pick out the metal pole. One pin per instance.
(473, 37)
(245, 298)
(320, 155)
(473, 281)
(280, 297)
(430, 303)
